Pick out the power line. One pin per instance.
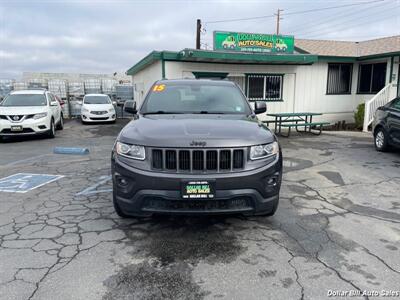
(292, 13)
(331, 7)
(348, 24)
(387, 17)
(306, 26)
(242, 19)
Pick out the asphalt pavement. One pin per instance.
(337, 229)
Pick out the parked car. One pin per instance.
(196, 147)
(386, 126)
(97, 107)
(30, 112)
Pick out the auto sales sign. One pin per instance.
(253, 42)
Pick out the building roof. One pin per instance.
(194, 55)
(307, 52)
(379, 46)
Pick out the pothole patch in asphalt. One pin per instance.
(151, 281)
(172, 247)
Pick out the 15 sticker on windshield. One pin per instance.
(159, 88)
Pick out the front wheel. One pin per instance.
(381, 141)
(52, 132)
(60, 125)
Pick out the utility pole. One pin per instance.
(278, 19)
(198, 31)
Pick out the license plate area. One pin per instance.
(198, 189)
(16, 128)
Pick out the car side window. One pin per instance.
(49, 99)
(396, 104)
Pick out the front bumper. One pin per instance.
(108, 117)
(29, 127)
(144, 193)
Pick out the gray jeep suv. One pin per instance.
(195, 147)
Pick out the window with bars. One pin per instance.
(371, 78)
(339, 79)
(265, 87)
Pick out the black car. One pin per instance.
(196, 147)
(386, 125)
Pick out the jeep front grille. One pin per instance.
(198, 161)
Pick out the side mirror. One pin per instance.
(53, 103)
(260, 107)
(130, 107)
(114, 103)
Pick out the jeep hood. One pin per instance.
(182, 130)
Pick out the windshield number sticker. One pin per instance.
(159, 88)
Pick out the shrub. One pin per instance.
(359, 116)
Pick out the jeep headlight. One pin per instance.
(130, 151)
(39, 116)
(263, 151)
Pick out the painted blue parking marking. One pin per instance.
(25, 182)
(93, 189)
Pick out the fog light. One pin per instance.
(83, 116)
(122, 181)
(113, 117)
(271, 181)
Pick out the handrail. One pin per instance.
(380, 99)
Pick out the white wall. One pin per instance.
(304, 86)
(143, 80)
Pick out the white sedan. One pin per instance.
(30, 112)
(97, 108)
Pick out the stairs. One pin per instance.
(380, 99)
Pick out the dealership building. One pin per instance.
(325, 76)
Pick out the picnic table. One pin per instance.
(299, 119)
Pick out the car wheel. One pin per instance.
(381, 142)
(117, 208)
(60, 125)
(83, 122)
(52, 131)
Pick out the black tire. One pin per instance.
(60, 125)
(52, 131)
(117, 208)
(381, 140)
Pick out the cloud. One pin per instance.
(111, 36)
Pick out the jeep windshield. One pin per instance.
(24, 100)
(202, 97)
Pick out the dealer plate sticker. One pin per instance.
(198, 190)
(25, 182)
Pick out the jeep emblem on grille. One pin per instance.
(198, 144)
(15, 118)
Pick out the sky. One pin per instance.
(89, 36)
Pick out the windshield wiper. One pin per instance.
(161, 112)
(208, 112)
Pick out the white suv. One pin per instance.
(30, 112)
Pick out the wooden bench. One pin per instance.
(310, 125)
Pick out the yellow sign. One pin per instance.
(159, 88)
